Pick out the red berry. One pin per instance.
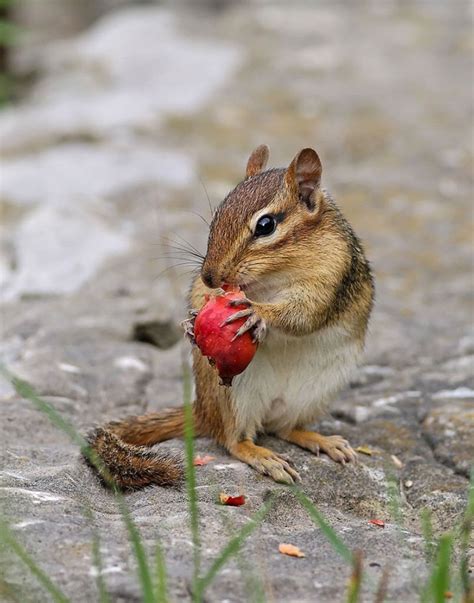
(216, 339)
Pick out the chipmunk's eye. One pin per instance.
(265, 226)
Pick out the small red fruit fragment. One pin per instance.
(216, 340)
(231, 501)
(291, 550)
(378, 522)
(199, 461)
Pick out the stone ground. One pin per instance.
(112, 152)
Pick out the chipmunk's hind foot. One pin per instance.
(266, 462)
(336, 447)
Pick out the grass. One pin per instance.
(231, 549)
(151, 592)
(440, 576)
(191, 473)
(144, 574)
(318, 519)
(10, 36)
(253, 577)
(465, 535)
(395, 506)
(8, 539)
(355, 581)
(152, 572)
(427, 529)
(97, 557)
(161, 587)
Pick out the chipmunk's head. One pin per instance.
(263, 233)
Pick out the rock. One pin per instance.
(58, 249)
(161, 334)
(96, 87)
(450, 429)
(371, 374)
(84, 159)
(364, 407)
(80, 366)
(466, 344)
(454, 371)
(57, 176)
(460, 393)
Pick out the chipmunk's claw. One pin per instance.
(259, 331)
(188, 326)
(236, 316)
(253, 323)
(240, 302)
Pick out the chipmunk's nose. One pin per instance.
(209, 278)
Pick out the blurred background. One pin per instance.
(120, 119)
(122, 124)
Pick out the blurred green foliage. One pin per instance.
(9, 36)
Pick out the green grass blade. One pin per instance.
(7, 591)
(9, 539)
(440, 575)
(465, 539)
(382, 588)
(161, 589)
(97, 560)
(231, 548)
(191, 473)
(325, 528)
(427, 529)
(25, 390)
(139, 551)
(355, 581)
(394, 500)
(97, 556)
(253, 583)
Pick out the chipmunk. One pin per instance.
(308, 292)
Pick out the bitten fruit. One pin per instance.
(229, 354)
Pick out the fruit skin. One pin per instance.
(216, 339)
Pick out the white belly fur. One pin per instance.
(291, 379)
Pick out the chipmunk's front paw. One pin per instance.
(254, 323)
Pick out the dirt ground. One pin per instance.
(112, 152)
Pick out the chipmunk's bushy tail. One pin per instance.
(121, 447)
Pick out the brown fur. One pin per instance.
(315, 257)
(132, 467)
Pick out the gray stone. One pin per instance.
(96, 87)
(161, 334)
(396, 156)
(450, 429)
(111, 170)
(58, 249)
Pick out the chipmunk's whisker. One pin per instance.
(185, 247)
(211, 208)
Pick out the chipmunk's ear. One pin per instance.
(257, 161)
(304, 175)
